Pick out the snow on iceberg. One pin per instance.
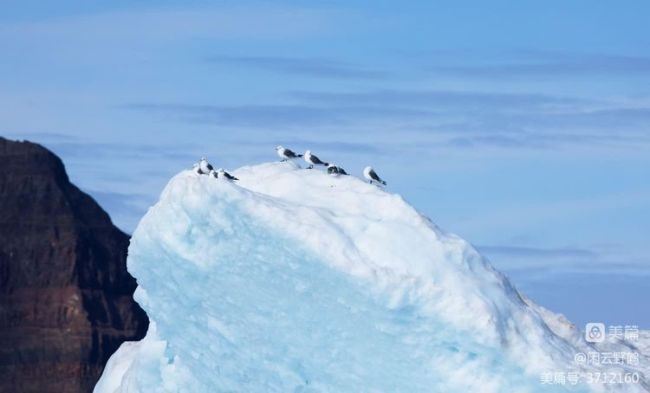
(291, 280)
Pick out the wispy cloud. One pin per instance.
(435, 118)
(336, 108)
(536, 252)
(557, 211)
(311, 143)
(546, 63)
(548, 140)
(301, 66)
(113, 151)
(466, 100)
(42, 137)
(544, 262)
(278, 115)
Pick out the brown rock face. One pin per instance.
(65, 295)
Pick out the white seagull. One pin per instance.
(286, 154)
(371, 175)
(204, 166)
(335, 170)
(313, 160)
(225, 175)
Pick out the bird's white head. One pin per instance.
(367, 169)
(308, 153)
(279, 147)
(220, 171)
(212, 173)
(203, 159)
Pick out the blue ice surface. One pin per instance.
(263, 314)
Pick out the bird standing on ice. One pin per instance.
(204, 166)
(313, 160)
(225, 175)
(286, 154)
(335, 170)
(371, 175)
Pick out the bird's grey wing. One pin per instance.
(316, 160)
(210, 167)
(373, 175)
(289, 153)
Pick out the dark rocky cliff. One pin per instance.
(65, 295)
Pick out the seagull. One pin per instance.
(313, 160)
(286, 154)
(223, 174)
(371, 175)
(335, 170)
(204, 166)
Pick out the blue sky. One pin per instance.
(524, 128)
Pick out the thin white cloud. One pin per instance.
(305, 66)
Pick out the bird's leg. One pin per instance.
(310, 167)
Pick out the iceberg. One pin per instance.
(291, 280)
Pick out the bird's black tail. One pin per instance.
(299, 155)
(326, 163)
(383, 182)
